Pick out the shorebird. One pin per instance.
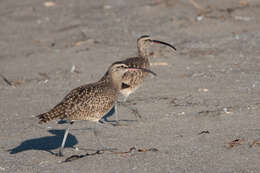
(91, 101)
(132, 80)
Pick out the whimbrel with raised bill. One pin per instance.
(132, 80)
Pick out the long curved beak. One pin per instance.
(143, 69)
(167, 44)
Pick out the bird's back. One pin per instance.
(88, 102)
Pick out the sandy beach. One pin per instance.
(200, 114)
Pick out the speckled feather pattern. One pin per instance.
(133, 78)
(88, 102)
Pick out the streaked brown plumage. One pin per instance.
(133, 80)
(89, 102)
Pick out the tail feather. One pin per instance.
(48, 116)
(43, 118)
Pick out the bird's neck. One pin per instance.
(143, 52)
(116, 81)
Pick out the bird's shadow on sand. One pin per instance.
(46, 143)
(49, 143)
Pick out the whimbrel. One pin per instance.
(91, 101)
(132, 80)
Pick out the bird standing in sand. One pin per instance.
(132, 80)
(90, 101)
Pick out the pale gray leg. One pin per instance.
(125, 99)
(135, 111)
(116, 112)
(63, 142)
(117, 118)
(103, 148)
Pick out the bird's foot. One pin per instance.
(133, 110)
(137, 114)
(59, 154)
